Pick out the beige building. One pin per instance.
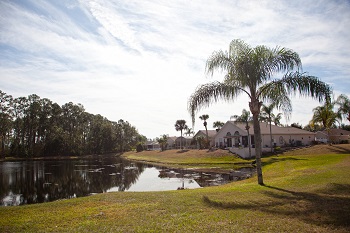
(234, 136)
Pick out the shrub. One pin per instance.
(139, 147)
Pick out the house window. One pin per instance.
(236, 133)
(228, 134)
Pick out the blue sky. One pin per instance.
(141, 60)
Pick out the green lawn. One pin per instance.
(306, 191)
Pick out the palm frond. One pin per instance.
(276, 93)
(207, 94)
(218, 60)
(306, 85)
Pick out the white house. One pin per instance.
(235, 137)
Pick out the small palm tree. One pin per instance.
(344, 106)
(250, 71)
(267, 115)
(218, 125)
(204, 118)
(163, 140)
(245, 118)
(326, 116)
(189, 131)
(277, 119)
(180, 125)
(200, 141)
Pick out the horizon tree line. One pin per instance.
(36, 127)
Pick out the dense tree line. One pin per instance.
(33, 126)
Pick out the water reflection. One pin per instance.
(28, 182)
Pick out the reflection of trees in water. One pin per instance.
(42, 181)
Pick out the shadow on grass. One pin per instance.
(339, 150)
(330, 207)
(182, 151)
(278, 159)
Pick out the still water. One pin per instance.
(29, 182)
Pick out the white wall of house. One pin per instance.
(288, 139)
(234, 137)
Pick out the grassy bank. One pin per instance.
(219, 160)
(306, 191)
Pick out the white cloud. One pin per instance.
(141, 60)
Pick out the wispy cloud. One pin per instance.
(141, 60)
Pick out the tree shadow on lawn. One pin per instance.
(330, 207)
(182, 151)
(339, 149)
(272, 160)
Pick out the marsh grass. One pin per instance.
(305, 192)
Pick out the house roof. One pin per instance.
(172, 138)
(211, 133)
(265, 129)
(334, 132)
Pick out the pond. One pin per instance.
(29, 182)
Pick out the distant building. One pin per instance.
(211, 136)
(171, 143)
(185, 142)
(152, 145)
(333, 136)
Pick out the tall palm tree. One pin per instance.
(266, 115)
(245, 118)
(204, 118)
(344, 105)
(179, 126)
(250, 70)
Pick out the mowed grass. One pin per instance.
(305, 190)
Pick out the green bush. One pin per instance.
(139, 147)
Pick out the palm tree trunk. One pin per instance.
(270, 135)
(255, 109)
(258, 152)
(181, 140)
(249, 144)
(206, 131)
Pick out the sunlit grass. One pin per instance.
(305, 192)
(220, 159)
